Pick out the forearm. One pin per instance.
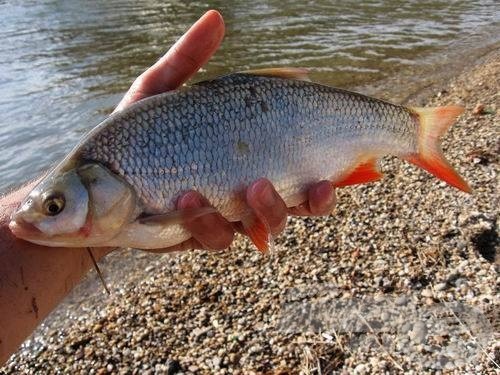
(33, 279)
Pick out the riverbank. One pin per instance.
(404, 275)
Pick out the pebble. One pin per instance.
(426, 293)
(478, 109)
(440, 287)
(385, 316)
(418, 333)
(401, 300)
(216, 362)
(360, 369)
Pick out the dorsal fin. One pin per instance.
(301, 74)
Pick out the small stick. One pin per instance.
(98, 271)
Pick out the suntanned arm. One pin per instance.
(34, 279)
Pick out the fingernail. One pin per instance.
(322, 190)
(190, 200)
(267, 196)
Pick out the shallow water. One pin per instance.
(65, 64)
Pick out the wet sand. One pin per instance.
(403, 277)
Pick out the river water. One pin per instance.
(65, 64)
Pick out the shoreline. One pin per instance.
(219, 312)
(422, 80)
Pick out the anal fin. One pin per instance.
(363, 173)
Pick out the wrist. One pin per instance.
(33, 278)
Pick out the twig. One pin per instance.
(98, 271)
(378, 341)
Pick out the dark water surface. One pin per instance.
(65, 64)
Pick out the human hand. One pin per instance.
(212, 231)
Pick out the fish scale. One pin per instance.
(241, 127)
(120, 185)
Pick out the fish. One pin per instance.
(119, 186)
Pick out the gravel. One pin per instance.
(403, 277)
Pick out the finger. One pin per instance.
(266, 202)
(187, 55)
(322, 198)
(181, 61)
(211, 230)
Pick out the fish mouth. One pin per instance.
(28, 232)
(22, 229)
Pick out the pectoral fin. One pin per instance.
(176, 217)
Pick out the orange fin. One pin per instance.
(301, 74)
(433, 124)
(258, 231)
(363, 173)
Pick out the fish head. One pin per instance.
(83, 206)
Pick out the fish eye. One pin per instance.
(53, 204)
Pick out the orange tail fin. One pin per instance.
(433, 123)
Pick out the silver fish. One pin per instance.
(119, 186)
